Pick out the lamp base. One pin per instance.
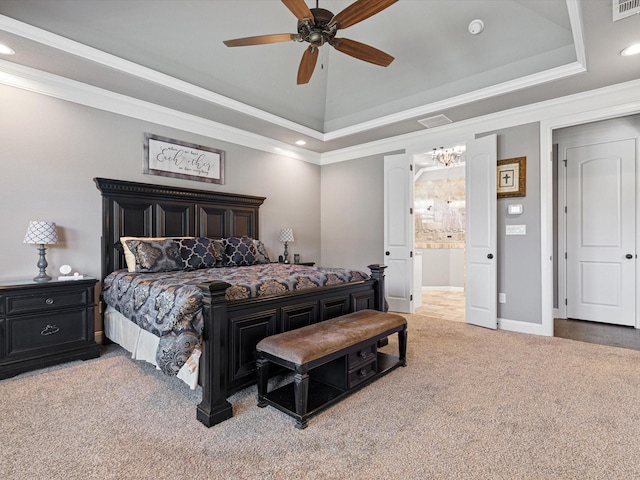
(42, 265)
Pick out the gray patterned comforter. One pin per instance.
(169, 304)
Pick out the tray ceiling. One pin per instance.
(170, 53)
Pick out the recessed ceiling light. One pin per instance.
(631, 50)
(6, 50)
(300, 142)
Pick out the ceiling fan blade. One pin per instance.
(307, 64)
(260, 40)
(299, 9)
(362, 51)
(358, 11)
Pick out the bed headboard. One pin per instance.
(144, 210)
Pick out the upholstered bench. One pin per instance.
(330, 360)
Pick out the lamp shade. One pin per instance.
(41, 233)
(286, 235)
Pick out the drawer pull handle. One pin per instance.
(49, 301)
(363, 354)
(50, 330)
(363, 372)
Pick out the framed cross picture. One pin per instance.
(512, 177)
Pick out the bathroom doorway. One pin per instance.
(439, 215)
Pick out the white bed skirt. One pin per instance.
(142, 344)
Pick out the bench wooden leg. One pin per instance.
(262, 366)
(301, 391)
(402, 346)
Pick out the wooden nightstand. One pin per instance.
(42, 324)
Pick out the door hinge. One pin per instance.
(565, 162)
(410, 210)
(411, 298)
(410, 254)
(565, 209)
(565, 255)
(411, 167)
(565, 302)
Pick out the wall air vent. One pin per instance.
(435, 121)
(625, 8)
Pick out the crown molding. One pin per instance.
(99, 57)
(44, 83)
(615, 100)
(477, 95)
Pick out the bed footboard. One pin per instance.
(232, 330)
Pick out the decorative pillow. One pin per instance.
(160, 255)
(261, 252)
(239, 251)
(196, 253)
(129, 257)
(217, 245)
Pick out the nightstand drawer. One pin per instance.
(30, 333)
(46, 300)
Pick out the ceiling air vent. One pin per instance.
(625, 8)
(435, 121)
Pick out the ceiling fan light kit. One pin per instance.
(318, 26)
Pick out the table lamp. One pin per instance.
(286, 236)
(41, 233)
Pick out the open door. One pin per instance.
(398, 231)
(481, 233)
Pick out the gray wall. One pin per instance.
(519, 268)
(353, 213)
(50, 150)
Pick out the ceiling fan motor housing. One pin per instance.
(317, 33)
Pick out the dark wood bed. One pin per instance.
(231, 328)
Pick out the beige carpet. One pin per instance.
(471, 404)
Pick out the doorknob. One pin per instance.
(490, 256)
(387, 253)
(628, 255)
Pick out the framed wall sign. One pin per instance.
(172, 158)
(512, 177)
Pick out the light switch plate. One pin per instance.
(516, 230)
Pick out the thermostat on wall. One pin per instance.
(515, 209)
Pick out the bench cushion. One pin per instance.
(315, 341)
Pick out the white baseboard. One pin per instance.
(523, 327)
(444, 288)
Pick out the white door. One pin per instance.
(601, 227)
(398, 231)
(481, 232)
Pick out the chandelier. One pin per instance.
(447, 157)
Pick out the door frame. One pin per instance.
(571, 141)
(546, 204)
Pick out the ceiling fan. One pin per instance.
(318, 26)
